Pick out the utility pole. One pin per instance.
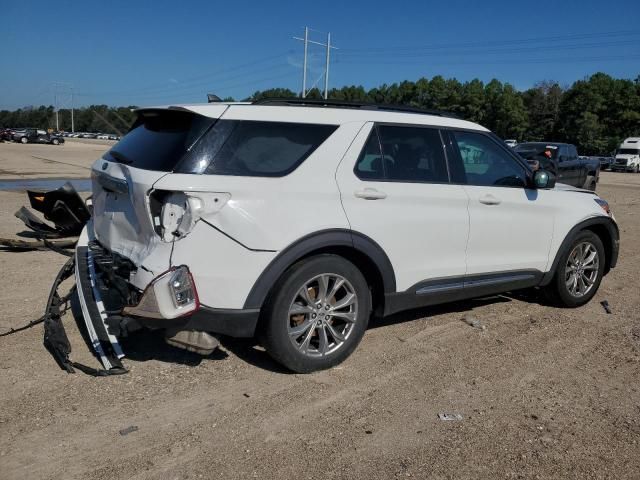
(326, 71)
(72, 126)
(62, 92)
(55, 102)
(328, 47)
(304, 67)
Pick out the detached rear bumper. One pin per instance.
(105, 345)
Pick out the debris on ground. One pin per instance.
(64, 208)
(128, 430)
(606, 307)
(450, 417)
(473, 322)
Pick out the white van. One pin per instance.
(627, 156)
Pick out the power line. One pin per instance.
(475, 44)
(537, 48)
(174, 95)
(189, 82)
(603, 58)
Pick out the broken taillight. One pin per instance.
(174, 214)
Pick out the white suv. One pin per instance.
(295, 220)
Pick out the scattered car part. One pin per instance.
(473, 322)
(201, 343)
(55, 336)
(606, 307)
(128, 430)
(64, 207)
(450, 417)
(59, 246)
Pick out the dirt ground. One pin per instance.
(544, 392)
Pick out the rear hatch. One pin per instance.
(123, 178)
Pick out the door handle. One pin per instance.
(489, 200)
(370, 194)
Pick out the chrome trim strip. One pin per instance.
(440, 288)
(501, 279)
(451, 286)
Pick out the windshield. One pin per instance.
(536, 151)
(628, 151)
(159, 139)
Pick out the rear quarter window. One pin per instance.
(255, 148)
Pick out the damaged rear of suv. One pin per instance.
(294, 221)
(184, 223)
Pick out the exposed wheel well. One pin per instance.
(367, 266)
(602, 233)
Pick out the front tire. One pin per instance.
(579, 271)
(317, 314)
(590, 183)
(24, 140)
(55, 141)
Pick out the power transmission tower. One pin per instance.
(328, 48)
(63, 97)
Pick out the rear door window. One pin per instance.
(403, 154)
(370, 165)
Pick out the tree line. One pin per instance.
(94, 118)
(595, 114)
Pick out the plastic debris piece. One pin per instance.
(606, 307)
(128, 430)
(473, 322)
(450, 417)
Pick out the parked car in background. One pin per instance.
(511, 143)
(606, 162)
(563, 161)
(294, 221)
(102, 136)
(34, 135)
(628, 156)
(6, 134)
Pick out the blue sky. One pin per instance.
(158, 52)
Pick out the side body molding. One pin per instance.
(317, 242)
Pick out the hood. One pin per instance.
(569, 188)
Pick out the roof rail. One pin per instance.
(305, 102)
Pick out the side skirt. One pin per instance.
(453, 289)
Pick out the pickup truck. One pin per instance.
(563, 161)
(33, 135)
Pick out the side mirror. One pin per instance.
(544, 179)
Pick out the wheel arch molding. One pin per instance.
(605, 228)
(363, 251)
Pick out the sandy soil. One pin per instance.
(544, 392)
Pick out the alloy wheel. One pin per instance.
(322, 315)
(581, 270)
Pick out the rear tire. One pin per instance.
(317, 314)
(636, 169)
(579, 272)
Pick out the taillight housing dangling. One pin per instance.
(182, 288)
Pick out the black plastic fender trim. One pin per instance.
(317, 241)
(614, 237)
